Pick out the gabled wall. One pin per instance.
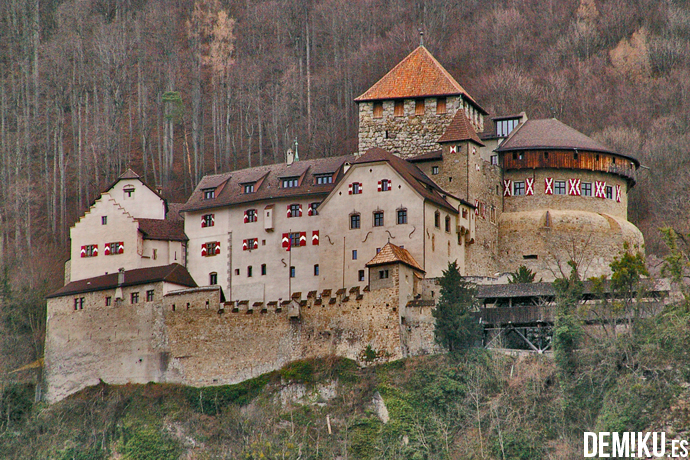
(143, 203)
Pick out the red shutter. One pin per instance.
(507, 187)
(256, 243)
(618, 193)
(246, 217)
(203, 222)
(302, 238)
(120, 247)
(95, 250)
(574, 187)
(315, 238)
(529, 186)
(453, 149)
(599, 189)
(360, 188)
(244, 245)
(203, 250)
(310, 210)
(286, 240)
(83, 251)
(217, 246)
(289, 214)
(548, 185)
(106, 250)
(380, 186)
(300, 210)
(349, 189)
(476, 207)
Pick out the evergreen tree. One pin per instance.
(522, 275)
(455, 326)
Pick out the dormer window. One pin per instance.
(249, 188)
(322, 179)
(209, 193)
(128, 191)
(291, 182)
(505, 127)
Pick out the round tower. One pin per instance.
(565, 197)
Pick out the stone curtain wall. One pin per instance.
(222, 346)
(123, 343)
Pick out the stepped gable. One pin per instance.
(419, 181)
(391, 253)
(460, 129)
(165, 230)
(551, 134)
(267, 183)
(418, 75)
(173, 273)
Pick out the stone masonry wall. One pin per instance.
(212, 346)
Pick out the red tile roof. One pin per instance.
(162, 229)
(418, 75)
(412, 175)
(391, 253)
(270, 186)
(553, 134)
(173, 273)
(460, 129)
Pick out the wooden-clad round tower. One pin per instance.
(565, 197)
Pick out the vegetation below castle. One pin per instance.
(472, 404)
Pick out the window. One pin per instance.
(237, 272)
(250, 215)
(292, 272)
(208, 220)
(209, 193)
(494, 160)
(360, 275)
(378, 219)
(505, 127)
(108, 301)
(402, 216)
(149, 295)
(383, 274)
(559, 187)
(385, 185)
(419, 106)
(609, 192)
(354, 254)
(154, 254)
(586, 189)
(294, 239)
(129, 191)
(313, 209)
(249, 271)
(90, 250)
(378, 109)
(378, 250)
(354, 221)
(440, 105)
(290, 182)
(114, 248)
(399, 108)
(212, 278)
(104, 220)
(210, 249)
(316, 270)
(546, 155)
(356, 188)
(135, 297)
(437, 219)
(263, 269)
(324, 179)
(78, 303)
(249, 188)
(294, 210)
(518, 188)
(448, 223)
(434, 170)
(252, 243)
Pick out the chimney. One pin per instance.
(120, 282)
(290, 157)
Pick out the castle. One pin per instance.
(337, 255)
